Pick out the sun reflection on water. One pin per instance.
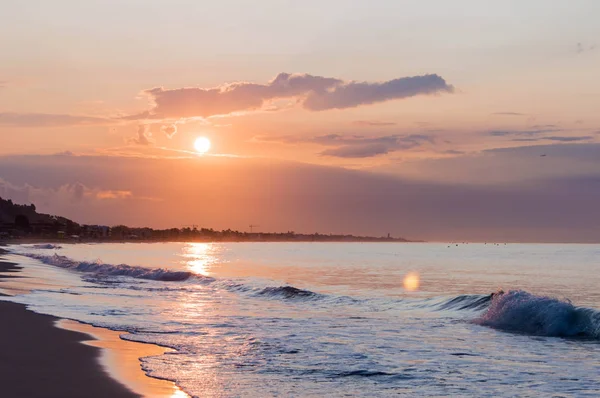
(179, 394)
(200, 257)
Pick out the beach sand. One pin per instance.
(43, 356)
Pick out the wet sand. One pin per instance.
(39, 359)
(120, 359)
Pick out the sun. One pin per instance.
(202, 145)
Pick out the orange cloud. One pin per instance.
(113, 194)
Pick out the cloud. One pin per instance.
(525, 139)
(48, 120)
(509, 114)
(66, 194)
(169, 130)
(355, 94)
(144, 136)
(357, 146)
(569, 138)
(453, 152)
(500, 167)
(556, 138)
(113, 194)
(372, 123)
(358, 151)
(315, 93)
(64, 153)
(544, 126)
(559, 205)
(528, 133)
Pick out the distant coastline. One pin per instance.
(23, 224)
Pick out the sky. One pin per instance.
(435, 120)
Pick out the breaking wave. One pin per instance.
(98, 268)
(514, 311)
(523, 312)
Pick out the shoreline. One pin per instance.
(34, 240)
(121, 359)
(46, 356)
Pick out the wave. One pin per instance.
(466, 302)
(46, 246)
(522, 312)
(288, 292)
(514, 311)
(98, 268)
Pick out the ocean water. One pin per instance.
(336, 319)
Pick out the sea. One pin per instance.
(338, 319)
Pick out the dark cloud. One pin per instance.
(48, 120)
(354, 94)
(350, 139)
(556, 138)
(527, 133)
(144, 136)
(569, 138)
(315, 93)
(358, 146)
(453, 152)
(502, 167)
(572, 151)
(358, 151)
(509, 114)
(545, 126)
(373, 123)
(525, 139)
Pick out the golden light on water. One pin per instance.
(199, 257)
(411, 281)
(202, 145)
(179, 394)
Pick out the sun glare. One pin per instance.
(202, 145)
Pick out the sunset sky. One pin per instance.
(441, 120)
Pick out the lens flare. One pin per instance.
(411, 281)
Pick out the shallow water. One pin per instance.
(334, 319)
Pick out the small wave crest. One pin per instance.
(98, 268)
(523, 312)
(287, 292)
(466, 302)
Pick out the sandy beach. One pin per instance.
(43, 356)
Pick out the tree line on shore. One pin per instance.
(23, 221)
